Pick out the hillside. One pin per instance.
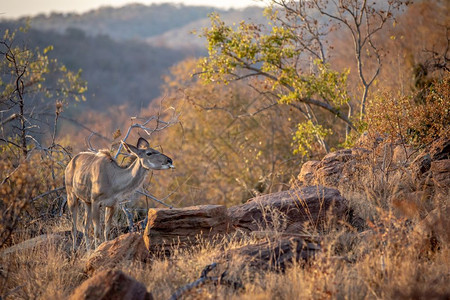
(182, 37)
(123, 52)
(134, 21)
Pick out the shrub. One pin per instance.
(413, 122)
(29, 190)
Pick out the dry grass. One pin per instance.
(387, 258)
(388, 261)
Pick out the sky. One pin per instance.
(13, 9)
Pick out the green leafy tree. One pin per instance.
(291, 56)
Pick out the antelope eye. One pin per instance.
(149, 153)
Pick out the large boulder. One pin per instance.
(111, 285)
(288, 211)
(127, 247)
(184, 226)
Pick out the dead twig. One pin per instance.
(204, 278)
(129, 217)
(48, 193)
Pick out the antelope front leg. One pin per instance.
(108, 219)
(87, 225)
(96, 221)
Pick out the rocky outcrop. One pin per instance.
(127, 247)
(288, 211)
(329, 170)
(111, 285)
(350, 168)
(183, 226)
(440, 149)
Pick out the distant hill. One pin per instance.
(182, 36)
(128, 22)
(124, 52)
(143, 22)
(117, 72)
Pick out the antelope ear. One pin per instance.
(142, 144)
(130, 148)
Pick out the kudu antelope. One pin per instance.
(97, 180)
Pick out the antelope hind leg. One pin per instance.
(96, 221)
(72, 202)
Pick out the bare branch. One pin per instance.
(9, 119)
(147, 194)
(48, 193)
(9, 142)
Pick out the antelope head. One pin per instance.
(149, 158)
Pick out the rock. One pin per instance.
(109, 254)
(183, 226)
(307, 174)
(43, 241)
(111, 285)
(349, 168)
(420, 167)
(436, 157)
(330, 167)
(288, 210)
(274, 255)
(440, 149)
(335, 169)
(440, 172)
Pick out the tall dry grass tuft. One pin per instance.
(45, 270)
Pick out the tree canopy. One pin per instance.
(292, 56)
